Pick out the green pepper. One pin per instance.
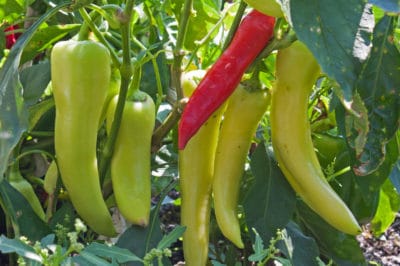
(80, 72)
(268, 7)
(243, 113)
(25, 188)
(131, 160)
(196, 167)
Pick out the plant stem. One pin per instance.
(97, 33)
(126, 76)
(235, 24)
(178, 53)
(166, 126)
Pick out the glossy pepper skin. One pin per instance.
(223, 77)
(131, 160)
(296, 73)
(196, 166)
(80, 72)
(243, 113)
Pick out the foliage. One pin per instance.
(355, 104)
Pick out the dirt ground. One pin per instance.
(384, 250)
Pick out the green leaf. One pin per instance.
(47, 240)
(34, 80)
(199, 25)
(11, 9)
(121, 255)
(389, 206)
(171, 238)
(374, 181)
(298, 248)
(337, 33)
(25, 221)
(259, 252)
(8, 245)
(44, 38)
(379, 88)
(270, 203)
(343, 249)
(134, 238)
(387, 5)
(37, 111)
(93, 259)
(13, 113)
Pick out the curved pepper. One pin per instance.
(80, 72)
(296, 73)
(243, 113)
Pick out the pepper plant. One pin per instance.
(271, 127)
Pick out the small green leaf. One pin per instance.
(298, 248)
(259, 252)
(172, 237)
(121, 255)
(34, 80)
(8, 245)
(93, 259)
(389, 206)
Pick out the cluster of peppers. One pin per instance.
(208, 143)
(209, 138)
(84, 95)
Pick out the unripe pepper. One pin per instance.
(243, 113)
(131, 160)
(80, 72)
(25, 188)
(223, 77)
(196, 167)
(296, 73)
(268, 7)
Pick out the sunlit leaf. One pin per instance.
(337, 33)
(389, 206)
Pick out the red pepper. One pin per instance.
(252, 35)
(11, 38)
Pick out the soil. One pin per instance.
(383, 250)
